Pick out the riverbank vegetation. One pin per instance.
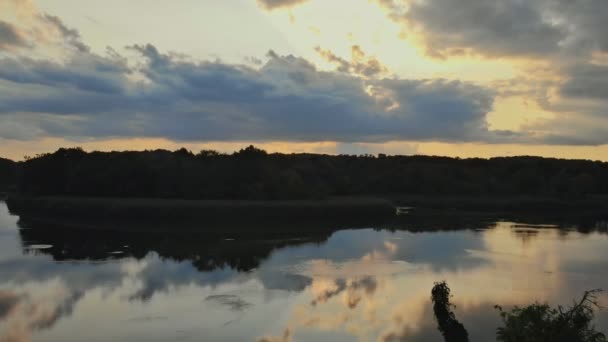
(251, 184)
(537, 322)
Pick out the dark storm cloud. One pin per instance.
(285, 99)
(9, 36)
(585, 20)
(504, 27)
(87, 74)
(586, 81)
(581, 107)
(274, 4)
(567, 33)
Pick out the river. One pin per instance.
(350, 285)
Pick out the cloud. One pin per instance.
(87, 73)
(478, 319)
(585, 20)
(579, 103)
(10, 37)
(360, 63)
(587, 81)
(286, 98)
(86, 95)
(342, 64)
(286, 337)
(232, 302)
(37, 31)
(493, 28)
(8, 302)
(275, 4)
(567, 35)
(70, 36)
(503, 28)
(30, 312)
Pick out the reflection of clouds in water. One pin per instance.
(480, 322)
(507, 271)
(8, 222)
(33, 277)
(232, 302)
(278, 280)
(72, 280)
(365, 283)
(9, 241)
(35, 309)
(148, 318)
(441, 251)
(48, 291)
(8, 301)
(325, 289)
(162, 276)
(79, 276)
(286, 337)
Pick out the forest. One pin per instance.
(254, 174)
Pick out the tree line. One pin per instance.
(252, 173)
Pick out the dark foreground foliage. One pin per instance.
(448, 325)
(533, 323)
(252, 173)
(542, 323)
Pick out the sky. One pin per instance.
(466, 78)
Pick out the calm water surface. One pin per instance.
(351, 285)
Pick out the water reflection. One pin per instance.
(206, 253)
(367, 285)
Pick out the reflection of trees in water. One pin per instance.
(245, 251)
(426, 220)
(198, 259)
(205, 252)
(526, 233)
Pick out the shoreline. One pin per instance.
(150, 214)
(286, 216)
(503, 203)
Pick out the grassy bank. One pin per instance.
(173, 214)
